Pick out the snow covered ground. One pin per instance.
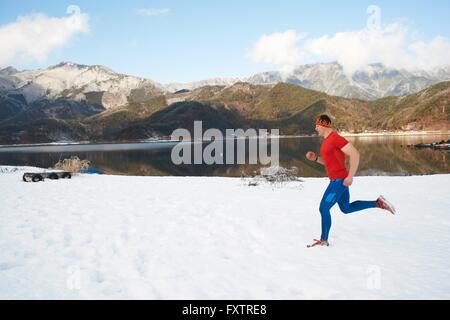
(109, 237)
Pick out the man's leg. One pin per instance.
(347, 207)
(329, 199)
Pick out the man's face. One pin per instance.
(320, 130)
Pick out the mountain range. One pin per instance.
(375, 82)
(77, 102)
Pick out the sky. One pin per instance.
(184, 41)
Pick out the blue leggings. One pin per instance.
(337, 192)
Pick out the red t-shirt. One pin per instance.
(333, 157)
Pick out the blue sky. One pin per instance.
(195, 40)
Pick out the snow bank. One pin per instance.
(97, 236)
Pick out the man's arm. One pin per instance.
(353, 154)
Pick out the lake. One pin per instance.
(380, 155)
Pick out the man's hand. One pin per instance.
(311, 156)
(348, 181)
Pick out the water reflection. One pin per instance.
(380, 155)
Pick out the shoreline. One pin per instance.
(395, 133)
(345, 134)
(9, 169)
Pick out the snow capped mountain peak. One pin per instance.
(74, 81)
(71, 66)
(8, 71)
(173, 87)
(68, 64)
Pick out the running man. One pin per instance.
(333, 151)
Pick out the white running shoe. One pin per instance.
(384, 204)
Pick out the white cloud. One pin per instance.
(152, 12)
(279, 49)
(33, 37)
(432, 54)
(392, 45)
(355, 50)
